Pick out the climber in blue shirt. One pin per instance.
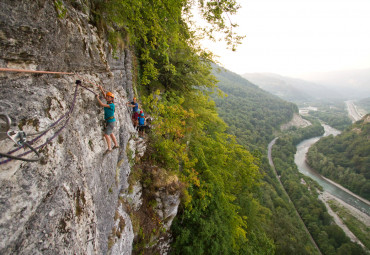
(141, 120)
(110, 121)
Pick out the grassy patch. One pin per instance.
(118, 170)
(60, 8)
(80, 202)
(130, 154)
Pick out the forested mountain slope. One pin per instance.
(251, 113)
(345, 158)
(253, 116)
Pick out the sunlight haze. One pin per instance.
(293, 37)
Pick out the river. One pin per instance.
(329, 186)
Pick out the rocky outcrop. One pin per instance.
(71, 201)
(296, 121)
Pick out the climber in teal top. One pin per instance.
(110, 121)
(109, 113)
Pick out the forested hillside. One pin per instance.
(345, 158)
(253, 116)
(251, 113)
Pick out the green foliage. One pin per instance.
(251, 113)
(161, 33)
(189, 137)
(345, 158)
(254, 116)
(311, 131)
(339, 121)
(217, 14)
(60, 8)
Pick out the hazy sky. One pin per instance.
(290, 37)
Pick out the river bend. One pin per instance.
(328, 185)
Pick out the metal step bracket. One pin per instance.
(18, 137)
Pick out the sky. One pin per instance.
(294, 37)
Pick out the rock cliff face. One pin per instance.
(296, 121)
(74, 200)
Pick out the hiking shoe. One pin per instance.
(115, 147)
(107, 152)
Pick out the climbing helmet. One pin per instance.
(110, 94)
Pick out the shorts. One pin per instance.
(141, 128)
(135, 115)
(109, 127)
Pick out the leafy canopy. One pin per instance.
(162, 31)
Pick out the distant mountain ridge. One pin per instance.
(291, 89)
(355, 82)
(345, 84)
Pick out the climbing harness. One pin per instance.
(110, 118)
(19, 137)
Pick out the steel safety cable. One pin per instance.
(55, 124)
(49, 139)
(42, 133)
(3, 69)
(20, 158)
(88, 81)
